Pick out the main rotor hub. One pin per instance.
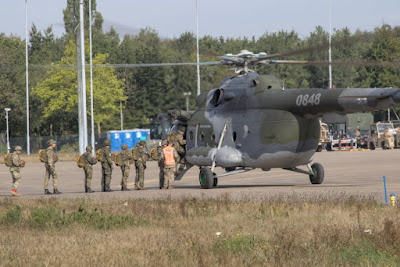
(243, 59)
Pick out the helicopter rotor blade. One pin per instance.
(337, 63)
(138, 65)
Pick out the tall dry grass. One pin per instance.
(279, 231)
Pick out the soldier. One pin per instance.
(164, 144)
(125, 167)
(140, 165)
(387, 138)
(51, 159)
(179, 145)
(88, 168)
(107, 167)
(15, 170)
(169, 157)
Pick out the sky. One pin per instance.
(228, 18)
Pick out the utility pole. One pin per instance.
(187, 95)
(122, 115)
(8, 131)
(330, 44)
(197, 48)
(82, 92)
(91, 79)
(28, 145)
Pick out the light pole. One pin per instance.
(8, 131)
(187, 95)
(28, 146)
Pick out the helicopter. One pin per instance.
(250, 121)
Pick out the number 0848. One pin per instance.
(305, 100)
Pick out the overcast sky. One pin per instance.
(229, 18)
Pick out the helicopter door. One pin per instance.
(192, 136)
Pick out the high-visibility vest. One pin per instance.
(169, 158)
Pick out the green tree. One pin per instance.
(58, 93)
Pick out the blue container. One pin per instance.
(128, 137)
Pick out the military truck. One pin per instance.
(376, 136)
(324, 138)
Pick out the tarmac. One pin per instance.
(358, 173)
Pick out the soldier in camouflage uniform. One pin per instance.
(125, 167)
(140, 165)
(179, 143)
(169, 157)
(88, 168)
(164, 144)
(107, 167)
(15, 170)
(50, 168)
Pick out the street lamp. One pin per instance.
(8, 132)
(187, 95)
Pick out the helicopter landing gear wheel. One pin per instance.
(318, 176)
(206, 178)
(215, 184)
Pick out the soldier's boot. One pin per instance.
(14, 193)
(47, 192)
(89, 190)
(86, 191)
(125, 189)
(108, 190)
(56, 192)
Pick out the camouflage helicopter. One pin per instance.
(250, 121)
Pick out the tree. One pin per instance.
(58, 93)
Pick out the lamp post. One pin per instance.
(187, 95)
(8, 131)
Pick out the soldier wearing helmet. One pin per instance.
(125, 167)
(160, 148)
(88, 168)
(15, 169)
(106, 167)
(179, 143)
(51, 159)
(169, 158)
(140, 165)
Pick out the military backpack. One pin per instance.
(80, 161)
(154, 153)
(8, 160)
(135, 153)
(100, 155)
(43, 155)
(118, 159)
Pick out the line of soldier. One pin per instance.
(169, 154)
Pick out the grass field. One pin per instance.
(325, 230)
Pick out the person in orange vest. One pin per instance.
(170, 157)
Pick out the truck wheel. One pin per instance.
(319, 148)
(318, 176)
(371, 145)
(328, 147)
(206, 178)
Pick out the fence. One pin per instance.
(65, 143)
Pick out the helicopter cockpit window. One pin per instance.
(217, 97)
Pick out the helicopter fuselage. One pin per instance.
(267, 126)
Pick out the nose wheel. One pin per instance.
(207, 178)
(318, 173)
